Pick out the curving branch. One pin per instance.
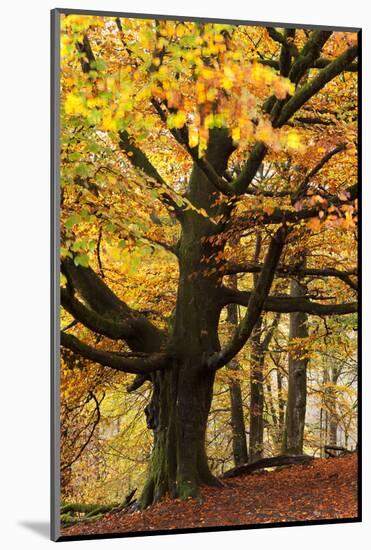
(287, 304)
(92, 430)
(132, 363)
(114, 329)
(255, 303)
(139, 160)
(324, 160)
(325, 75)
(288, 271)
(320, 63)
(138, 381)
(104, 312)
(283, 215)
(309, 53)
(248, 172)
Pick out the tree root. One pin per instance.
(92, 512)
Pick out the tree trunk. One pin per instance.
(281, 406)
(239, 444)
(256, 395)
(182, 395)
(297, 383)
(333, 420)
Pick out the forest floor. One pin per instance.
(323, 489)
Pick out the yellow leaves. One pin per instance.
(236, 135)
(207, 73)
(193, 137)
(111, 83)
(348, 222)
(268, 210)
(200, 92)
(293, 141)
(108, 121)
(211, 94)
(146, 39)
(203, 137)
(66, 45)
(78, 22)
(228, 78)
(75, 105)
(264, 131)
(177, 120)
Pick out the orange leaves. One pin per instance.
(324, 489)
(281, 139)
(283, 87)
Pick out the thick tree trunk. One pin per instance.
(182, 395)
(178, 416)
(297, 383)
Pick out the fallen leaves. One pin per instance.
(325, 489)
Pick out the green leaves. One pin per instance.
(82, 260)
(110, 227)
(94, 117)
(98, 64)
(82, 170)
(72, 220)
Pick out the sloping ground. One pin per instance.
(323, 489)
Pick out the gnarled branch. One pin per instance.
(115, 329)
(288, 271)
(131, 363)
(140, 333)
(287, 304)
(255, 303)
(307, 91)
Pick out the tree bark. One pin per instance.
(297, 383)
(256, 395)
(239, 444)
(333, 417)
(182, 396)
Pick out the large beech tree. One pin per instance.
(190, 137)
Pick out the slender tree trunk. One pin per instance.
(256, 395)
(239, 443)
(297, 383)
(281, 406)
(256, 429)
(333, 429)
(333, 417)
